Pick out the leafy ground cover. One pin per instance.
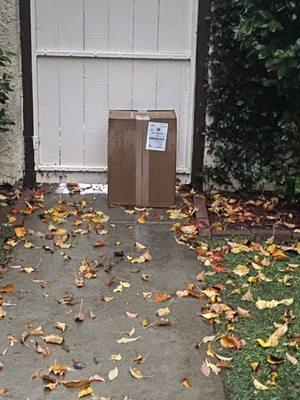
(232, 210)
(252, 292)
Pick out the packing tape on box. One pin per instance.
(142, 161)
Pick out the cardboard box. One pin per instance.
(137, 176)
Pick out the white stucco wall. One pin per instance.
(11, 143)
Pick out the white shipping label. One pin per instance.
(157, 136)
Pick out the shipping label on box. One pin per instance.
(157, 136)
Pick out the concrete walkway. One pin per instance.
(170, 351)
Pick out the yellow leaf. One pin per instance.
(85, 392)
(259, 385)
(116, 357)
(59, 369)
(241, 270)
(20, 231)
(262, 304)
(263, 343)
(291, 358)
(254, 366)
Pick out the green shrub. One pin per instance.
(253, 94)
(5, 89)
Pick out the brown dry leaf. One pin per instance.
(141, 259)
(106, 298)
(54, 339)
(136, 373)
(254, 366)
(59, 369)
(247, 296)
(79, 317)
(145, 277)
(185, 383)
(79, 282)
(61, 326)
(113, 374)
(28, 245)
(3, 389)
(20, 231)
(100, 243)
(92, 314)
(279, 332)
(145, 322)
(2, 312)
(208, 367)
(131, 315)
(9, 288)
(230, 342)
(163, 322)
(163, 312)
(96, 378)
(142, 218)
(291, 358)
(138, 246)
(201, 276)
(76, 383)
(243, 313)
(161, 297)
(85, 392)
(128, 339)
(46, 351)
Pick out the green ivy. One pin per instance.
(5, 89)
(253, 94)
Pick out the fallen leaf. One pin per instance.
(59, 369)
(127, 339)
(2, 312)
(131, 315)
(136, 373)
(163, 312)
(138, 246)
(230, 342)
(113, 374)
(85, 392)
(61, 326)
(142, 218)
(3, 389)
(161, 297)
(78, 365)
(259, 385)
(106, 298)
(116, 357)
(76, 384)
(9, 288)
(262, 304)
(243, 313)
(54, 339)
(20, 231)
(241, 270)
(247, 296)
(185, 383)
(291, 358)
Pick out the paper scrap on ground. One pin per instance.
(82, 188)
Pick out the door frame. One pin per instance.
(198, 115)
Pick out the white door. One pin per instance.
(90, 56)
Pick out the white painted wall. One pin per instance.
(11, 143)
(90, 56)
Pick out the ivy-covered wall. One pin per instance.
(249, 142)
(11, 143)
